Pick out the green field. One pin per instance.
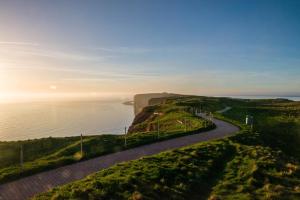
(262, 163)
(48, 153)
(172, 175)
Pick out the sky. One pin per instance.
(72, 49)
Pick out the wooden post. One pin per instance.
(81, 151)
(157, 128)
(185, 124)
(21, 156)
(125, 136)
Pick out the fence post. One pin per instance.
(21, 156)
(125, 136)
(158, 128)
(185, 124)
(81, 151)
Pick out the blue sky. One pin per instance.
(126, 47)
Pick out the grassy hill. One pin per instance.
(262, 163)
(48, 153)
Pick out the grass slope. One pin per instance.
(250, 165)
(49, 153)
(178, 174)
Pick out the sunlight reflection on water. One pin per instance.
(21, 121)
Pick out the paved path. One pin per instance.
(224, 110)
(29, 186)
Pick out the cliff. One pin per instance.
(143, 100)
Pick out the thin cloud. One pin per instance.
(99, 71)
(108, 76)
(33, 49)
(130, 50)
(64, 55)
(7, 43)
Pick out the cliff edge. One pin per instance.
(143, 100)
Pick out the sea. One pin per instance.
(22, 121)
(267, 97)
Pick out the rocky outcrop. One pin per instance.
(144, 115)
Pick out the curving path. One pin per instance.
(29, 186)
(224, 110)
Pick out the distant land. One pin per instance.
(128, 103)
(142, 100)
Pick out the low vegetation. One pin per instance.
(178, 174)
(258, 163)
(276, 121)
(32, 149)
(48, 153)
(167, 117)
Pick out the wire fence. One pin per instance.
(160, 130)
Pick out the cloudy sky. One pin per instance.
(118, 48)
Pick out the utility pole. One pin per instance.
(21, 156)
(81, 152)
(125, 136)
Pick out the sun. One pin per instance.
(52, 87)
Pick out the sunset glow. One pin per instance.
(102, 57)
(149, 99)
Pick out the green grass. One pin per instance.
(32, 149)
(277, 122)
(170, 117)
(257, 172)
(253, 164)
(48, 153)
(178, 174)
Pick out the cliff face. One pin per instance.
(143, 100)
(144, 115)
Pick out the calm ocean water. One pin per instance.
(266, 97)
(20, 121)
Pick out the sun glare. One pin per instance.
(53, 87)
(2, 79)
